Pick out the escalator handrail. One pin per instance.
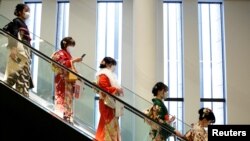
(91, 84)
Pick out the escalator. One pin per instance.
(36, 113)
(22, 119)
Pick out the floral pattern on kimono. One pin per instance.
(197, 133)
(63, 89)
(160, 114)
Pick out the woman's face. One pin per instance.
(111, 67)
(25, 13)
(163, 93)
(69, 48)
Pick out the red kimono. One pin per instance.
(108, 127)
(63, 89)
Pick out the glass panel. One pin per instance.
(177, 113)
(41, 68)
(83, 109)
(34, 24)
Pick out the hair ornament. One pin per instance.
(206, 111)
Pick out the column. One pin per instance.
(144, 33)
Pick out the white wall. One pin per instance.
(82, 27)
(144, 43)
(7, 8)
(82, 24)
(237, 35)
(237, 40)
(48, 25)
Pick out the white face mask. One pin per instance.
(165, 95)
(112, 68)
(69, 49)
(26, 15)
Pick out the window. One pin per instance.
(62, 21)
(212, 68)
(109, 34)
(34, 24)
(173, 58)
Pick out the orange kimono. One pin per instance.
(108, 127)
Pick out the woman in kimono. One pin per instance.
(160, 114)
(64, 89)
(108, 127)
(18, 66)
(198, 132)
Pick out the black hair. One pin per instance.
(206, 113)
(66, 41)
(107, 61)
(158, 87)
(19, 8)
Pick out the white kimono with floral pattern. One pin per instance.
(197, 133)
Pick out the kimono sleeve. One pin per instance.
(105, 84)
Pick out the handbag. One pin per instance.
(79, 86)
(72, 77)
(109, 101)
(19, 61)
(119, 109)
(112, 103)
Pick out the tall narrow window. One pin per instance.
(173, 59)
(109, 33)
(34, 24)
(62, 21)
(212, 59)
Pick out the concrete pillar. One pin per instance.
(191, 61)
(144, 30)
(82, 27)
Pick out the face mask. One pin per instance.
(70, 46)
(165, 95)
(112, 68)
(26, 15)
(69, 49)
